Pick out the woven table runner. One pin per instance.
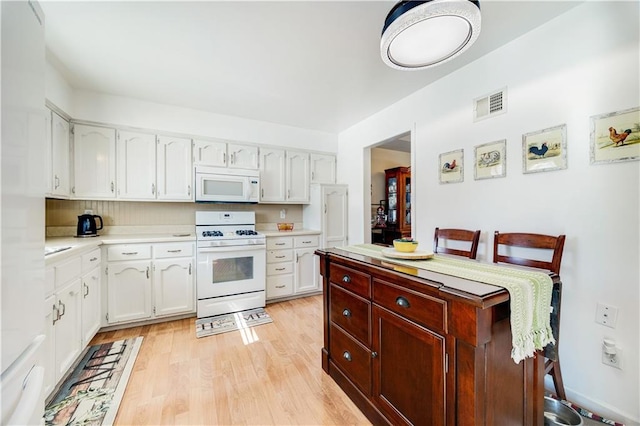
(529, 291)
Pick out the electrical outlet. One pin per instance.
(283, 214)
(614, 360)
(606, 315)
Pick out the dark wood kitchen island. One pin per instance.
(410, 346)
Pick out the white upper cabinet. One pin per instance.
(297, 177)
(94, 162)
(272, 175)
(136, 165)
(174, 171)
(48, 166)
(323, 168)
(284, 176)
(242, 156)
(209, 153)
(59, 156)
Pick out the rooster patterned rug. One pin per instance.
(91, 393)
(230, 322)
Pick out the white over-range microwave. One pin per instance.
(220, 185)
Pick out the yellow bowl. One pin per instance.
(404, 245)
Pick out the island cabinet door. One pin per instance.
(408, 370)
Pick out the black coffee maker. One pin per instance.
(87, 226)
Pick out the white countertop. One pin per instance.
(81, 245)
(295, 232)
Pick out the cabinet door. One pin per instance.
(136, 166)
(210, 153)
(48, 167)
(173, 286)
(49, 359)
(297, 172)
(90, 305)
(334, 216)
(306, 271)
(60, 155)
(68, 338)
(175, 173)
(323, 168)
(243, 156)
(272, 175)
(129, 291)
(94, 162)
(408, 370)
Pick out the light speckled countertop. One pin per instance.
(295, 232)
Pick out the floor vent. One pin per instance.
(490, 105)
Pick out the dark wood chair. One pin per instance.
(556, 245)
(472, 237)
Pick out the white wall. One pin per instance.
(583, 63)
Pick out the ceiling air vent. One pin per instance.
(490, 105)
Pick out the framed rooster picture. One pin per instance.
(615, 136)
(451, 166)
(545, 150)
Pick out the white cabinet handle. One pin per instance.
(147, 272)
(56, 317)
(224, 158)
(189, 190)
(280, 286)
(279, 244)
(174, 251)
(93, 259)
(153, 188)
(280, 257)
(57, 182)
(129, 253)
(86, 288)
(280, 269)
(112, 187)
(64, 308)
(189, 269)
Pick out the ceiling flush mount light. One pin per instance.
(421, 34)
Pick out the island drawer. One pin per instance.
(352, 313)
(353, 359)
(423, 309)
(352, 280)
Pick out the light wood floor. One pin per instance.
(271, 375)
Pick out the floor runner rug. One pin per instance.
(230, 322)
(91, 393)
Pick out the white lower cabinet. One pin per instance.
(146, 281)
(292, 267)
(90, 295)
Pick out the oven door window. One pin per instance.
(232, 269)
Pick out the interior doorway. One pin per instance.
(390, 213)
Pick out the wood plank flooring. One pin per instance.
(269, 375)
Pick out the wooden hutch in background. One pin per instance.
(398, 206)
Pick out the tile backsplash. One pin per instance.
(120, 216)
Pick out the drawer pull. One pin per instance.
(280, 286)
(129, 253)
(279, 244)
(346, 279)
(93, 259)
(64, 309)
(306, 242)
(174, 251)
(374, 354)
(280, 269)
(346, 355)
(56, 317)
(86, 287)
(346, 313)
(280, 257)
(402, 302)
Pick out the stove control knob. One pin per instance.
(204, 233)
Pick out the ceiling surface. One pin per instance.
(309, 64)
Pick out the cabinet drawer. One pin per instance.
(129, 252)
(352, 313)
(65, 272)
(425, 310)
(277, 243)
(279, 286)
(352, 358)
(280, 268)
(306, 241)
(274, 256)
(161, 251)
(358, 282)
(91, 260)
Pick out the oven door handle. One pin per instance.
(221, 249)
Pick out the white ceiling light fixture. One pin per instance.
(421, 34)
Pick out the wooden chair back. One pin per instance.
(536, 241)
(473, 237)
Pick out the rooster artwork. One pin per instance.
(539, 152)
(449, 167)
(618, 138)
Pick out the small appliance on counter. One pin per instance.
(87, 226)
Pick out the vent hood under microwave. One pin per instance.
(221, 185)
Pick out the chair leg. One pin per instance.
(556, 374)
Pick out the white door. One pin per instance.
(136, 166)
(129, 291)
(272, 175)
(67, 328)
(323, 168)
(90, 305)
(297, 172)
(94, 162)
(173, 286)
(209, 153)
(175, 173)
(334, 217)
(60, 155)
(243, 156)
(307, 270)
